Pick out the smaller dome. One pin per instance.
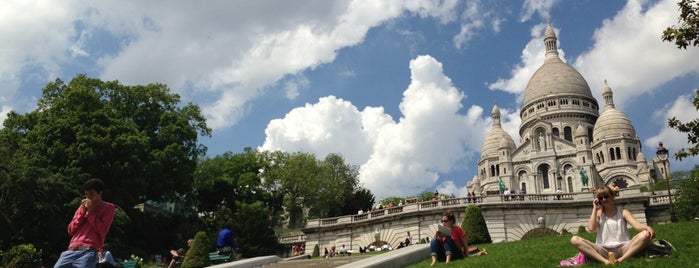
(613, 124)
(580, 131)
(497, 138)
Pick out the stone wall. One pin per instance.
(507, 218)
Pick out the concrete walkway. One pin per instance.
(396, 258)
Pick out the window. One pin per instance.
(544, 174)
(568, 133)
(611, 154)
(618, 153)
(555, 132)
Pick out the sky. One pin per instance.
(401, 89)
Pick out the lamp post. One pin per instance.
(662, 154)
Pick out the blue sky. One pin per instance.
(403, 89)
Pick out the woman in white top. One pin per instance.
(612, 234)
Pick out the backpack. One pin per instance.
(660, 248)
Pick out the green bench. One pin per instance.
(214, 257)
(129, 264)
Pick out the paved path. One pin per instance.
(320, 263)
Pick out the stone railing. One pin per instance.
(292, 238)
(465, 201)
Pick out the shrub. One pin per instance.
(475, 227)
(22, 256)
(565, 231)
(316, 251)
(687, 197)
(581, 229)
(198, 255)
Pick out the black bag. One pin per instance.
(660, 248)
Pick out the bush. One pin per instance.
(475, 227)
(316, 251)
(687, 196)
(565, 231)
(581, 229)
(198, 255)
(22, 256)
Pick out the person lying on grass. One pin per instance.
(610, 222)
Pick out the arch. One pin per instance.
(618, 153)
(540, 138)
(555, 132)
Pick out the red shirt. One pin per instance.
(456, 234)
(90, 228)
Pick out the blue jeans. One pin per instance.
(449, 248)
(77, 258)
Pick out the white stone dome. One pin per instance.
(496, 138)
(613, 124)
(555, 76)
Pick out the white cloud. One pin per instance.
(683, 109)
(475, 17)
(397, 158)
(293, 86)
(226, 53)
(629, 52)
(540, 7)
(533, 56)
(4, 110)
(449, 188)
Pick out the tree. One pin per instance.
(227, 178)
(253, 231)
(687, 33)
(361, 198)
(139, 139)
(687, 204)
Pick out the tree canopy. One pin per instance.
(686, 34)
(140, 140)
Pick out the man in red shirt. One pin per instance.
(88, 228)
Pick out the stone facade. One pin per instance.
(507, 218)
(565, 143)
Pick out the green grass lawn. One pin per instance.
(549, 251)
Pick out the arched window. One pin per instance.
(601, 156)
(611, 154)
(544, 175)
(570, 184)
(492, 171)
(568, 133)
(618, 153)
(555, 132)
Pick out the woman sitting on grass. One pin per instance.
(612, 234)
(449, 246)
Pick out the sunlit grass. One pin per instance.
(549, 251)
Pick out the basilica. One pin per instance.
(566, 144)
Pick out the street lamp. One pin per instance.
(662, 153)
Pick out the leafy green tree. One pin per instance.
(22, 256)
(139, 139)
(227, 178)
(336, 183)
(361, 198)
(252, 229)
(687, 197)
(685, 34)
(475, 227)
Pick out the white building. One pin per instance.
(564, 138)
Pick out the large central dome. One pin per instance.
(555, 76)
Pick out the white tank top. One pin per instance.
(612, 231)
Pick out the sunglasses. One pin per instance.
(603, 197)
(445, 220)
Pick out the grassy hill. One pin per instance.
(549, 251)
